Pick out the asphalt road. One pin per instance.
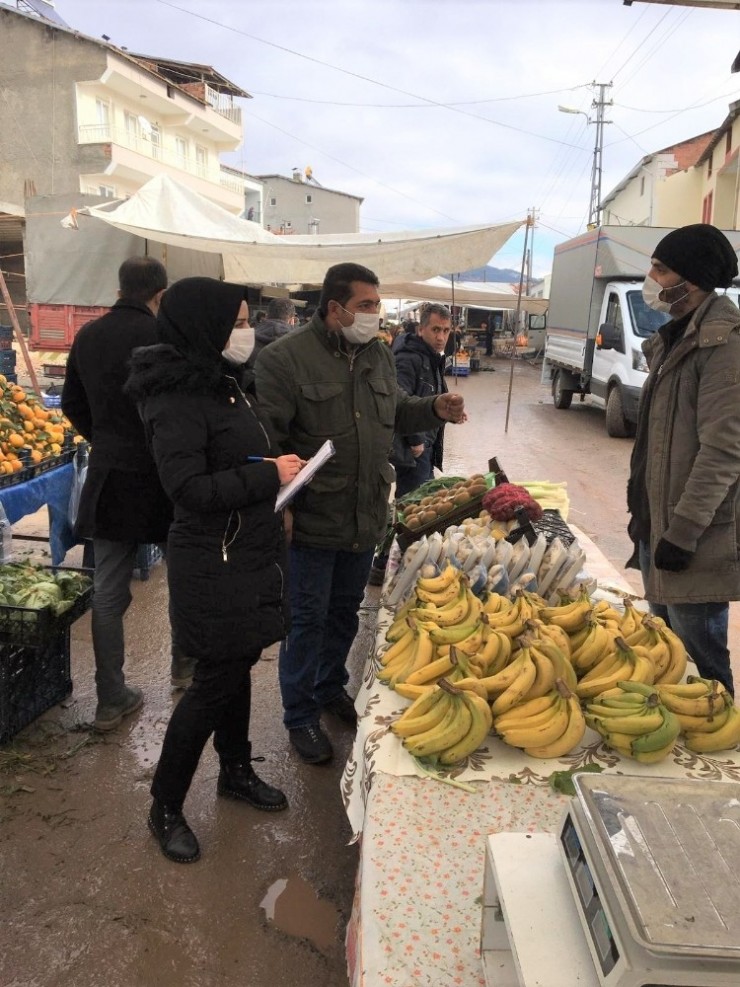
(87, 899)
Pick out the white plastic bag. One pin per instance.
(79, 464)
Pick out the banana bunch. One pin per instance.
(411, 652)
(444, 725)
(634, 722)
(706, 713)
(546, 726)
(591, 645)
(572, 617)
(623, 664)
(663, 647)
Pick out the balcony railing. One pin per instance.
(223, 104)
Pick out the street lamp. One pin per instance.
(594, 212)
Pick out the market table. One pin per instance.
(52, 489)
(417, 910)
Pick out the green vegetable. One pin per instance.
(562, 781)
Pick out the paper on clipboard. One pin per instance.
(314, 464)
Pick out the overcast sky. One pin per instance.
(445, 112)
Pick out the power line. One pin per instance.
(415, 106)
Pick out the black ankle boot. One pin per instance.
(176, 838)
(238, 780)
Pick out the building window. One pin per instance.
(131, 123)
(642, 184)
(155, 137)
(309, 200)
(273, 202)
(706, 212)
(728, 140)
(201, 160)
(181, 151)
(102, 112)
(709, 166)
(107, 191)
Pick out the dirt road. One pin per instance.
(86, 897)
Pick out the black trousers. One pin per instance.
(218, 702)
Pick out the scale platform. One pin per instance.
(643, 878)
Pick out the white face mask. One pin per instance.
(240, 345)
(364, 327)
(652, 290)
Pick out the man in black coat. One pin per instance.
(420, 371)
(122, 504)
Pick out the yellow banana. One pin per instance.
(518, 688)
(434, 584)
(571, 617)
(726, 738)
(560, 662)
(526, 709)
(706, 705)
(472, 684)
(598, 644)
(642, 721)
(538, 734)
(607, 664)
(558, 635)
(473, 642)
(572, 735)
(401, 670)
(630, 621)
(398, 647)
(703, 724)
(653, 757)
(677, 657)
(587, 690)
(640, 688)
(688, 690)
(495, 603)
(545, 675)
(643, 670)
(431, 672)
(480, 725)
(495, 651)
(501, 681)
(446, 734)
(445, 616)
(452, 635)
(443, 597)
(412, 691)
(424, 714)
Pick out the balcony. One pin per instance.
(223, 104)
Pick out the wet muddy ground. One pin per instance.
(86, 897)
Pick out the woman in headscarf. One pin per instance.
(226, 547)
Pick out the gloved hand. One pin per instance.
(670, 557)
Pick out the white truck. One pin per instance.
(597, 320)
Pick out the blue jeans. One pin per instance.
(413, 477)
(326, 590)
(701, 626)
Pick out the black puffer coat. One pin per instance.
(420, 372)
(226, 547)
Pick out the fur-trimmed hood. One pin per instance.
(163, 369)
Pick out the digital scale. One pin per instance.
(639, 888)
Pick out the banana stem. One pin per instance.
(436, 776)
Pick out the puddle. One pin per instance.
(294, 907)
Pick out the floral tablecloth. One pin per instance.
(417, 910)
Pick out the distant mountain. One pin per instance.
(487, 273)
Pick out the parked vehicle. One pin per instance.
(597, 320)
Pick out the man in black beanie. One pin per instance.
(684, 488)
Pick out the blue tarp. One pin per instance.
(53, 488)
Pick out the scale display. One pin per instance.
(594, 914)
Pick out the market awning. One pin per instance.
(461, 293)
(167, 212)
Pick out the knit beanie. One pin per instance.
(701, 254)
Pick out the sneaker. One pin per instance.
(312, 744)
(181, 672)
(110, 716)
(343, 707)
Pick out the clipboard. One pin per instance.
(314, 464)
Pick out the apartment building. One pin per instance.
(694, 181)
(301, 205)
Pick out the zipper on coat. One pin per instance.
(246, 401)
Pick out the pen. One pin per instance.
(259, 459)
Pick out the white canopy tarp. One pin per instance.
(474, 293)
(168, 212)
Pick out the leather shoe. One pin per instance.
(312, 744)
(343, 708)
(176, 839)
(239, 780)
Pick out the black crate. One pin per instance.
(6, 332)
(551, 525)
(27, 628)
(7, 359)
(32, 680)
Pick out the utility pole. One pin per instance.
(599, 103)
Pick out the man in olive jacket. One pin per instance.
(684, 487)
(335, 379)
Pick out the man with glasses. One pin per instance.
(335, 379)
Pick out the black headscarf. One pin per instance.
(197, 315)
(701, 254)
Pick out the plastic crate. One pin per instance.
(6, 332)
(7, 359)
(551, 525)
(26, 628)
(32, 680)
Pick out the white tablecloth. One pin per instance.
(417, 911)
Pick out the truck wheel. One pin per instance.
(561, 396)
(617, 425)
